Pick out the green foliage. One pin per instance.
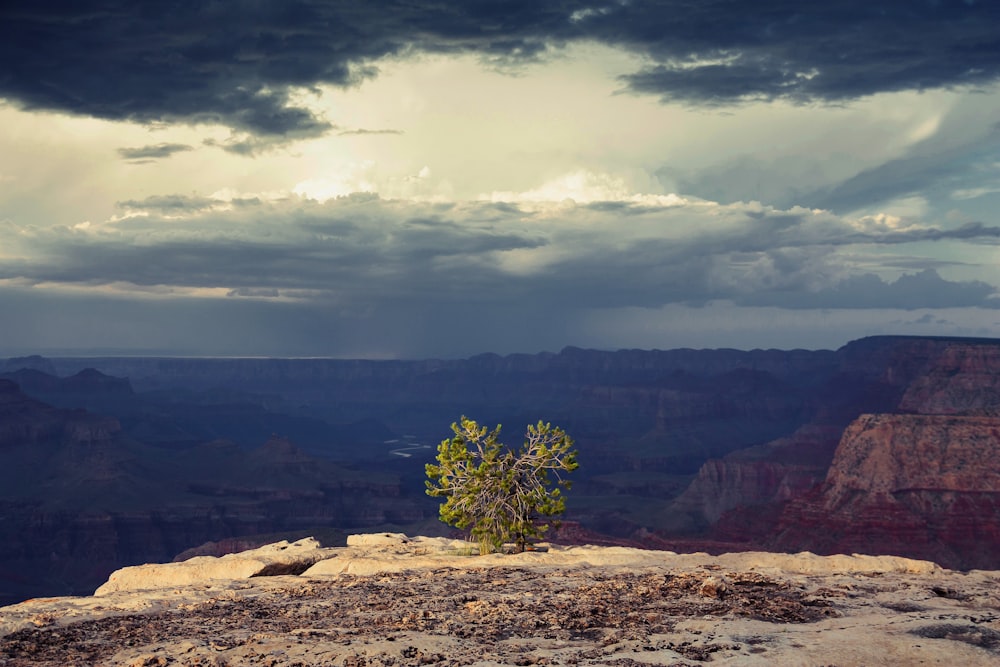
(497, 493)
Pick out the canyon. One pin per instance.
(886, 446)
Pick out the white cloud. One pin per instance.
(925, 128)
(975, 193)
(896, 213)
(350, 178)
(581, 186)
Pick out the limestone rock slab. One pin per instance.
(272, 559)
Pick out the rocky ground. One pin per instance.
(415, 602)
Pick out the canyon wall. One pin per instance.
(922, 481)
(887, 445)
(79, 499)
(924, 486)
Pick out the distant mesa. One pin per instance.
(34, 362)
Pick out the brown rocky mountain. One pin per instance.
(920, 481)
(768, 474)
(926, 485)
(741, 493)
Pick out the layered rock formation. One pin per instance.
(922, 481)
(921, 485)
(632, 409)
(740, 495)
(25, 421)
(747, 479)
(963, 380)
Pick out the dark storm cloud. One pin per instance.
(721, 51)
(356, 247)
(154, 152)
(237, 63)
(363, 252)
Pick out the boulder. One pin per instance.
(270, 560)
(378, 540)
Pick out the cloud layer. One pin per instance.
(362, 251)
(834, 165)
(243, 64)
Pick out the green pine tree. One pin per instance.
(499, 494)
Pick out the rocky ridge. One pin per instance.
(26, 421)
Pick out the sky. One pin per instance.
(423, 178)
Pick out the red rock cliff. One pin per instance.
(924, 486)
(784, 469)
(963, 379)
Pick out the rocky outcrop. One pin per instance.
(422, 601)
(722, 485)
(779, 471)
(884, 455)
(923, 486)
(269, 560)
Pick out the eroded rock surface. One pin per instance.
(924, 486)
(569, 605)
(270, 560)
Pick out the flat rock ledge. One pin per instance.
(389, 599)
(378, 553)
